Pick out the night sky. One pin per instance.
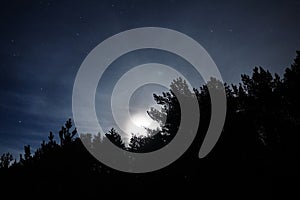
(43, 44)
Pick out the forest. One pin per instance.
(257, 152)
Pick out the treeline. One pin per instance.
(260, 137)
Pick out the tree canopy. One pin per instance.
(261, 134)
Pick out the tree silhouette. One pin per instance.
(115, 138)
(65, 135)
(27, 151)
(5, 160)
(260, 138)
(291, 86)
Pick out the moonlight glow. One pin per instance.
(141, 120)
(138, 123)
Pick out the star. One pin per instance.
(20, 121)
(12, 41)
(42, 89)
(211, 30)
(77, 34)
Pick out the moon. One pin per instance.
(141, 120)
(138, 123)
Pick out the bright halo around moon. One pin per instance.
(141, 120)
(138, 123)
